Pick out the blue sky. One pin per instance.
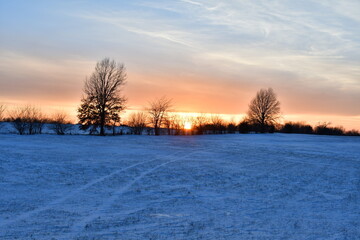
(209, 56)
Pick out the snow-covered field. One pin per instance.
(191, 187)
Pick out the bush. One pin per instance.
(59, 124)
(324, 129)
(298, 127)
(27, 120)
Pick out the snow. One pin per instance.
(256, 186)
(73, 129)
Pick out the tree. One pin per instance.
(217, 124)
(137, 121)
(27, 119)
(177, 124)
(244, 126)
(60, 125)
(102, 102)
(264, 109)
(158, 110)
(2, 110)
(200, 122)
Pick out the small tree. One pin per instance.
(244, 126)
(18, 119)
(158, 110)
(200, 122)
(217, 124)
(231, 127)
(264, 109)
(60, 125)
(177, 124)
(102, 102)
(137, 121)
(35, 119)
(27, 119)
(2, 110)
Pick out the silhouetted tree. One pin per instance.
(59, 123)
(217, 124)
(244, 126)
(2, 110)
(18, 120)
(168, 123)
(27, 120)
(297, 127)
(178, 124)
(200, 122)
(231, 127)
(325, 129)
(353, 132)
(264, 109)
(137, 121)
(158, 110)
(102, 102)
(35, 119)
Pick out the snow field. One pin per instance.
(191, 187)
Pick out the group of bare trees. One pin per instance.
(103, 102)
(27, 120)
(30, 120)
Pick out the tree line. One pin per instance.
(102, 104)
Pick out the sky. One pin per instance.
(208, 56)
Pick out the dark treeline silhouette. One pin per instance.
(30, 120)
(319, 129)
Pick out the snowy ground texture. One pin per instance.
(191, 187)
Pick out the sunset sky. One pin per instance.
(208, 56)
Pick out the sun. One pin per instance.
(187, 126)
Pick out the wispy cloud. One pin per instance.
(303, 48)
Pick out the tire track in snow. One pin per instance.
(78, 228)
(52, 204)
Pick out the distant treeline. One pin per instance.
(29, 120)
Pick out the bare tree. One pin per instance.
(231, 126)
(218, 124)
(27, 119)
(158, 110)
(103, 102)
(137, 121)
(168, 123)
(18, 119)
(2, 110)
(200, 122)
(35, 119)
(264, 109)
(60, 125)
(178, 124)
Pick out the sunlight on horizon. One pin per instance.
(348, 122)
(188, 126)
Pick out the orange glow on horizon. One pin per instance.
(187, 126)
(348, 122)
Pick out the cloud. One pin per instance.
(304, 49)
